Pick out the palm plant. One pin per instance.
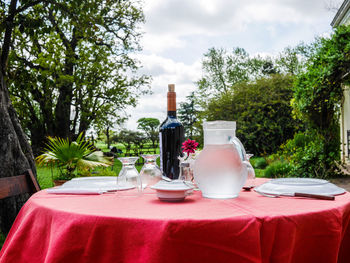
(69, 156)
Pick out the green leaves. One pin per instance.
(262, 111)
(318, 92)
(76, 54)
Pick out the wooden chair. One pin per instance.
(15, 185)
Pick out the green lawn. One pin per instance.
(47, 174)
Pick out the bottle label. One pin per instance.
(160, 152)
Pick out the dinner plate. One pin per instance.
(299, 185)
(101, 183)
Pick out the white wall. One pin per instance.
(345, 124)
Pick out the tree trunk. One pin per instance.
(63, 112)
(107, 135)
(38, 136)
(15, 155)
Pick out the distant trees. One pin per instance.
(188, 115)
(255, 91)
(136, 140)
(130, 138)
(150, 128)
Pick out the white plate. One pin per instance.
(100, 183)
(299, 185)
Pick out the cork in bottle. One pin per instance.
(171, 97)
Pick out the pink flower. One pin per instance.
(189, 146)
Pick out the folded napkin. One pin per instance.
(74, 191)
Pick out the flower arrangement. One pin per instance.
(189, 147)
(186, 163)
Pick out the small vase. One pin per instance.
(186, 171)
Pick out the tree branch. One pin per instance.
(26, 6)
(57, 29)
(8, 36)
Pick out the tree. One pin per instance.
(71, 65)
(15, 152)
(104, 126)
(222, 70)
(129, 138)
(262, 111)
(318, 92)
(188, 115)
(150, 127)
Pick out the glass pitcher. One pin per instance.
(245, 159)
(219, 170)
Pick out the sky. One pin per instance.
(177, 33)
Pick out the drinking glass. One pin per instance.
(150, 172)
(251, 173)
(129, 181)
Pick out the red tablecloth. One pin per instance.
(250, 228)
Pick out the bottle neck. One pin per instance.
(172, 114)
(171, 102)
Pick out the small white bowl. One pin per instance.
(174, 191)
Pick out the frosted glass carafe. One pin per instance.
(219, 170)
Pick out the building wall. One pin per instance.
(346, 19)
(345, 124)
(345, 107)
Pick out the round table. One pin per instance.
(112, 228)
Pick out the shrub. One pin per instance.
(71, 156)
(307, 153)
(273, 158)
(258, 162)
(278, 169)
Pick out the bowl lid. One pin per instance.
(175, 185)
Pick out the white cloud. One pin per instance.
(164, 71)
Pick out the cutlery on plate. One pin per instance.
(296, 194)
(248, 188)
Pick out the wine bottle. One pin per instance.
(171, 136)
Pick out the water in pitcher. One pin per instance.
(220, 169)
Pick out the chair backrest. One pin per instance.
(15, 185)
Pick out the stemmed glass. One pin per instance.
(251, 173)
(150, 172)
(129, 177)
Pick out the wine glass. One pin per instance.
(129, 178)
(251, 173)
(150, 172)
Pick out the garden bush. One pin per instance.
(258, 162)
(278, 169)
(306, 154)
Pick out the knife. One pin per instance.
(297, 194)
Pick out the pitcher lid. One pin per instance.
(219, 125)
